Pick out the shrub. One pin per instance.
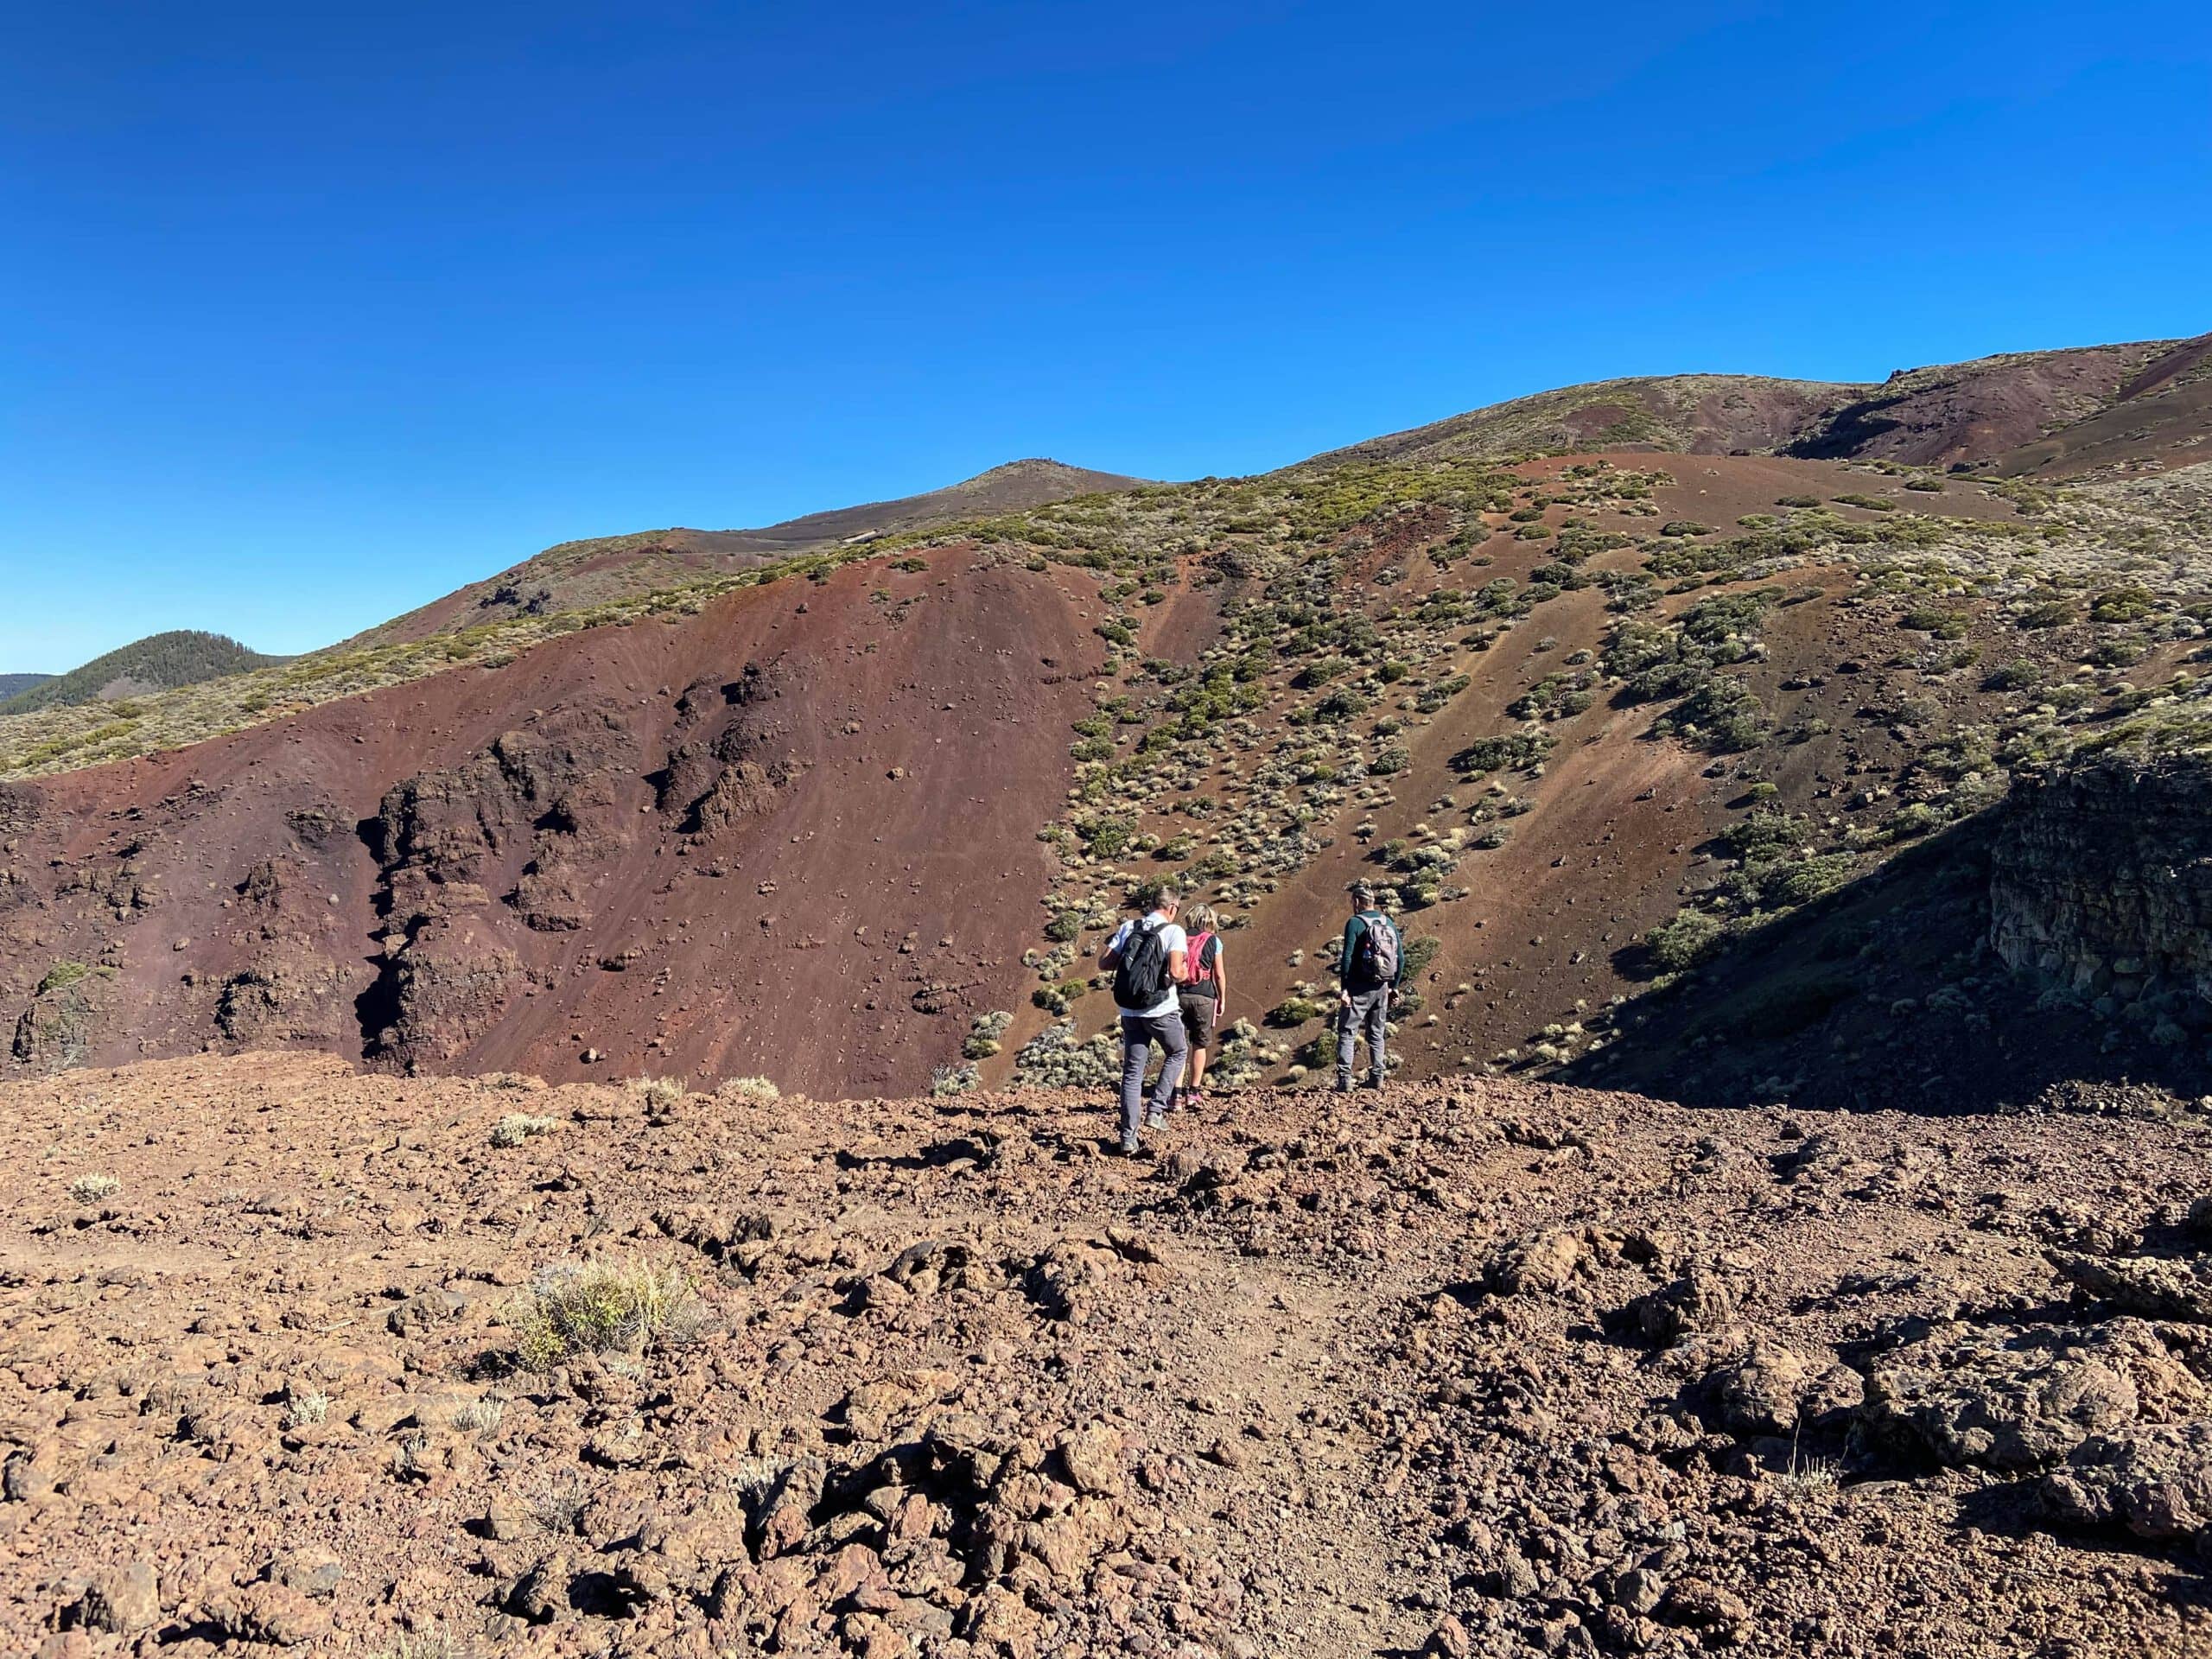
(517, 1127)
(1064, 926)
(1806, 880)
(599, 1307)
(1508, 751)
(63, 976)
(1297, 1008)
(661, 1093)
(91, 1189)
(1434, 697)
(983, 1034)
(1684, 940)
(1929, 619)
(1107, 837)
(758, 1091)
(2122, 605)
(1319, 671)
(1760, 836)
(1720, 717)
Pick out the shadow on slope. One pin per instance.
(1884, 995)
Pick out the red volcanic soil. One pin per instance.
(785, 834)
(2163, 417)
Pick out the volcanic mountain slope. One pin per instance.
(2161, 417)
(678, 846)
(1978, 413)
(577, 574)
(2022, 412)
(1680, 414)
(292, 1356)
(1545, 705)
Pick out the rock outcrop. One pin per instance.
(2101, 887)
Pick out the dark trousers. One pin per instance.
(1137, 1037)
(1369, 1011)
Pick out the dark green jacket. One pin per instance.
(1357, 980)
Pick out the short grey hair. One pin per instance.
(1164, 896)
(1362, 888)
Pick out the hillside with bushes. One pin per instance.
(160, 662)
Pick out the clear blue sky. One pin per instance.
(312, 312)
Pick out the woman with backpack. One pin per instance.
(1203, 997)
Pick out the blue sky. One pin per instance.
(313, 313)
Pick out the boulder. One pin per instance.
(2153, 1287)
(1541, 1263)
(2023, 1400)
(121, 1600)
(1701, 1302)
(1092, 1456)
(1759, 1393)
(2156, 1482)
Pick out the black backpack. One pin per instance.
(1141, 978)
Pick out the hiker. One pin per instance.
(1367, 972)
(1149, 959)
(1203, 998)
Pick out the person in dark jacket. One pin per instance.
(1363, 996)
(1157, 1018)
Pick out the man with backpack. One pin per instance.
(1149, 959)
(1367, 972)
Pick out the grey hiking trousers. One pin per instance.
(1369, 1011)
(1137, 1037)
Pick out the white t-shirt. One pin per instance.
(1175, 939)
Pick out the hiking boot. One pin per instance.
(1128, 1146)
(1344, 1085)
(1375, 1082)
(1156, 1121)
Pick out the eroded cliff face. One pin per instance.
(2101, 888)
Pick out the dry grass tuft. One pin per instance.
(600, 1306)
(91, 1189)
